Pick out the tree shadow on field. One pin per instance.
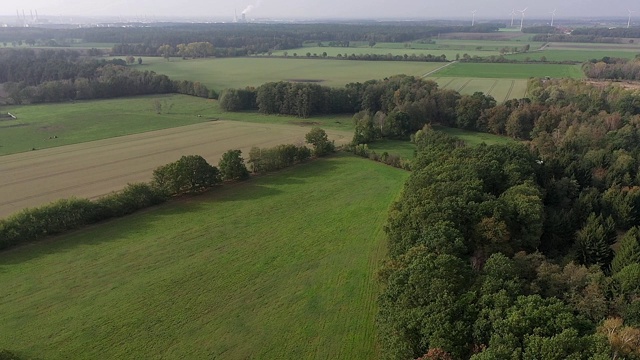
(143, 221)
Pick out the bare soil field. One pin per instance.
(96, 168)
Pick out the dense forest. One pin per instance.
(36, 76)
(613, 68)
(520, 251)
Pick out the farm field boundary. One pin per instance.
(211, 276)
(93, 169)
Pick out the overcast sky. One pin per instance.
(493, 9)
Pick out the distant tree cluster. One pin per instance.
(60, 75)
(575, 38)
(603, 32)
(613, 69)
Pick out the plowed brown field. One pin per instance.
(96, 168)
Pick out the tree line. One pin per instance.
(59, 75)
(190, 174)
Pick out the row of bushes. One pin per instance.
(67, 214)
(386, 158)
(190, 174)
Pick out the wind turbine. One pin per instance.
(473, 18)
(629, 22)
(553, 15)
(513, 14)
(522, 18)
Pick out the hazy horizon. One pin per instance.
(307, 9)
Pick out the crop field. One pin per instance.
(501, 89)
(226, 73)
(571, 55)
(247, 271)
(511, 71)
(96, 168)
(51, 125)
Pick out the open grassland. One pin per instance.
(501, 89)
(404, 149)
(511, 71)
(51, 125)
(474, 138)
(226, 73)
(96, 168)
(278, 267)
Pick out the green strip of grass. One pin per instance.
(512, 71)
(279, 267)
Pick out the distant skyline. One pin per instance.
(309, 9)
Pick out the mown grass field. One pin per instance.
(501, 89)
(279, 267)
(84, 121)
(226, 73)
(511, 71)
(96, 168)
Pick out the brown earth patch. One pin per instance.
(629, 85)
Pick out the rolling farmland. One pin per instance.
(501, 89)
(50, 125)
(97, 168)
(211, 276)
(226, 73)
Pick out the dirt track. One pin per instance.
(97, 168)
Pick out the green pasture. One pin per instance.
(572, 55)
(279, 267)
(511, 71)
(474, 138)
(501, 89)
(50, 125)
(404, 149)
(226, 73)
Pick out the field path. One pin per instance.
(96, 168)
(438, 69)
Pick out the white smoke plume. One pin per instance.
(250, 8)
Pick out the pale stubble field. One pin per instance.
(96, 168)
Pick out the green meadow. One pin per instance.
(572, 55)
(226, 73)
(49, 125)
(511, 71)
(250, 270)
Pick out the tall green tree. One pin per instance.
(232, 166)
